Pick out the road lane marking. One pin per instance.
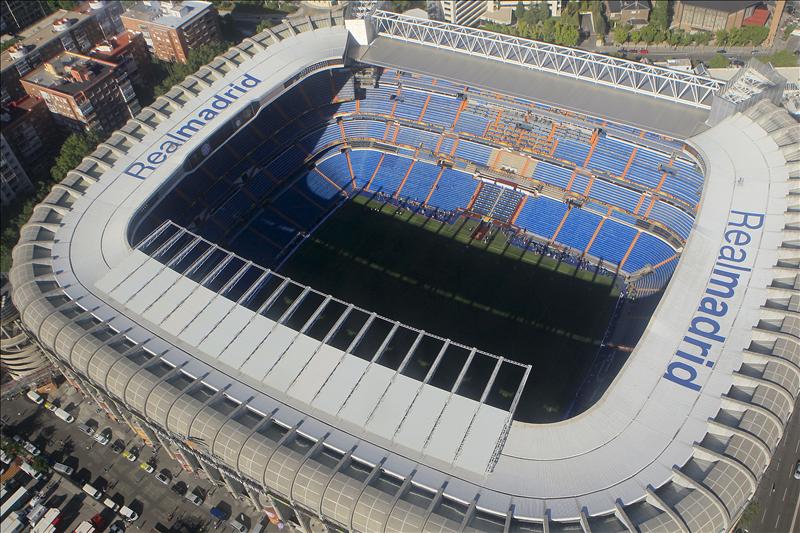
(797, 447)
(777, 520)
(784, 494)
(794, 517)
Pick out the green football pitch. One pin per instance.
(485, 294)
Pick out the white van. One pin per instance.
(63, 415)
(28, 469)
(111, 504)
(93, 492)
(128, 514)
(63, 469)
(34, 397)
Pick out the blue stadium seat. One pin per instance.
(391, 173)
(541, 216)
(578, 229)
(612, 241)
(453, 191)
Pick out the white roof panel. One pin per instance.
(318, 370)
(283, 374)
(421, 418)
(393, 406)
(153, 290)
(451, 428)
(224, 333)
(270, 351)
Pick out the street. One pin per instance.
(778, 495)
(123, 481)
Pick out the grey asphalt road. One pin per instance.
(778, 495)
(122, 480)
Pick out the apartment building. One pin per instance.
(14, 181)
(16, 15)
(108, 14)
(171, 29)
(63, 30)
(633, 12)
(463, 12)
(84, 93)
(129, 51)
(30, 132)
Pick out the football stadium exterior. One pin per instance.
(678, 442)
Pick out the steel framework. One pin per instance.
(664, 83)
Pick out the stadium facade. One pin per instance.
(678, 442)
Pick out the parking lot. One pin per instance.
(122, 480)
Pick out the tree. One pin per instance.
(520, 11)
(659, 14)
(264, 24)
(621, 34)
(719, 61)
(599, 18)
(75, 148)
(787, 31)
(15, 40)
(566, 34)
(674, 37)
(721, 38)
(784, 58)
(702, 37)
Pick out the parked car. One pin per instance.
(163, 477)
(98, 522)
(797, 470)
(131, 455)
(63, 469)
(86, 429)
(238, 523)
(34, 397)
(27, 446)
(104, 437)
(644, 51)
(50, 407)
(93, 492)
(117, 527)
(128, 514)
(111, 504)
(118, 446)
(194, 498)
(147, 468)
(28, 469)
(63, 415)
(219, 514)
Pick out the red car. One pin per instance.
(643, 51)
(98, 521)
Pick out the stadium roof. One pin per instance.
(664, 433)
(661, 116)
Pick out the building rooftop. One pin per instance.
(69, 73)
(43, 31)
(617, 6)
(109, 50)
(729, 6)
(167, 13)
(17, 109)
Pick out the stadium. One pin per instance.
(388, 274)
